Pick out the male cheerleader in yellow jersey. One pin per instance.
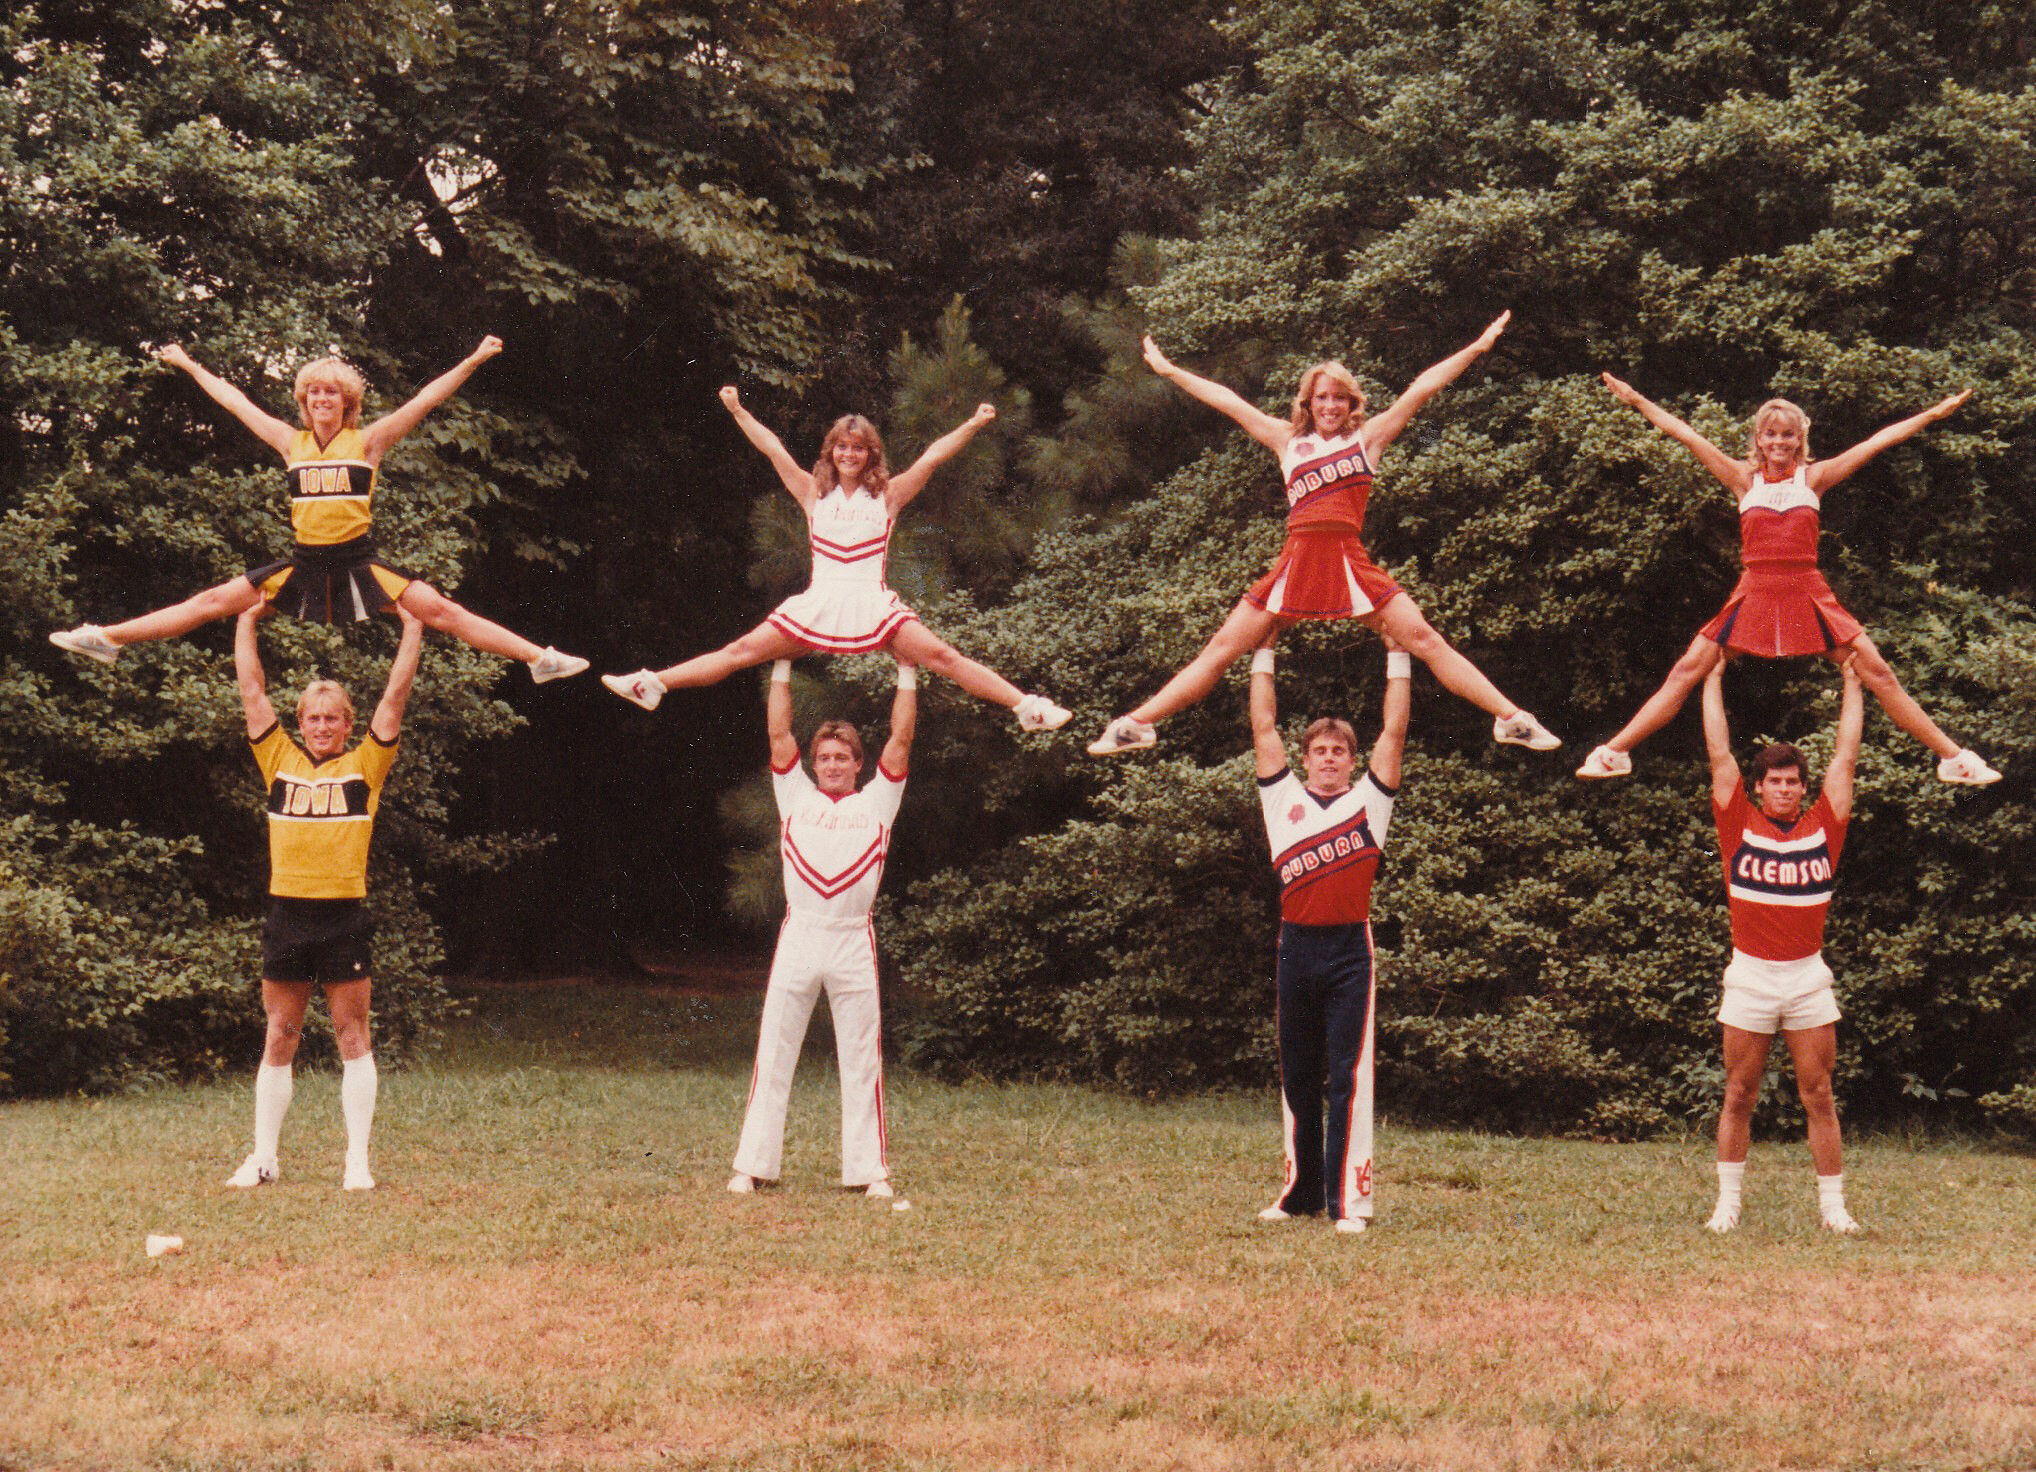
(334, 574)
(322, 800)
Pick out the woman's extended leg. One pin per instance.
(441, 613)
(1879, 678)
(228, 600)
(1688, 672)
(647, 687)
(1247, 628)
(915, 644)
(1405, 622)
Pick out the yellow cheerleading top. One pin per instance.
(332, 488)
(321, 815)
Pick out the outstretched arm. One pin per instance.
(1268, 748)
(1825, 474)
(904, 721)
(1387, 751)
(1254, 421)
(249, 674)
(387, 724)
(1383, 428)
(797, 480)
(391, 427)
(778, 718)
(1718, 738)
(271, 431)
(1845, 751)
(1733, 473)
(910, 482)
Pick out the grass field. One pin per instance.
(551, 1276)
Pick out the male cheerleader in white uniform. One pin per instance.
(1327, 836)
(833, 839)
(1781, 864)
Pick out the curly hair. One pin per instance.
(876, 476)
(341, 375)
(1303, 417)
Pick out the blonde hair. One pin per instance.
(1303, 419)
(341, 375)
(1778, 409)
(876, 476)
(840, 731)
(325, 687)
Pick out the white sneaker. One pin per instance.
(254, 1171)
(1839, 1220)
(643, 687)
(357, 1177)
(551, 665)
(1605, 762)
(1521, 729)
(1353, 1224)
(90, 640)
(1275, 1213)
(1037, 713)
(1965, 769)
(741, 1184)
(1723, 1219)
(1122, 735)
(879, 1189)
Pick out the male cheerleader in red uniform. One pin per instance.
(1781, 863)
(1327, 836)
(834, 840)
(322, 800)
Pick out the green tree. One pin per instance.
(1718, 203)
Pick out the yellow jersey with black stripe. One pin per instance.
(321, 815)
(332, 488)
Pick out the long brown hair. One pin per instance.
(876, 476)
(1303, 418)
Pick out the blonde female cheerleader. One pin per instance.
(1327, 449)
(1782, 606)
(334, 574)
(851, 501)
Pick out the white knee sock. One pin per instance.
(357, 1084)
(273, 1087)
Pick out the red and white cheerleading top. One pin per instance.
(1779, 521)
(834, 847)
(850, 535)
(1325, 851)
(1328, 481)
(1778, 881)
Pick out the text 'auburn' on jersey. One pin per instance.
(1325, 854)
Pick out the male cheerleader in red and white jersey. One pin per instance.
(334, 573)
(1781, 863)
(1327, 836)
(1327, 449)
(322, 801)
(1782, 606)
(851, 502)
(834, 840)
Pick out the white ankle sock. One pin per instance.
(1731, 1178)
(357, 1085)
(1831, 1195)
(273, 1087)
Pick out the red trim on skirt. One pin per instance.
(1323, 572)
(1782, 609)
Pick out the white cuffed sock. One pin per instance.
(273, 1088)
(357, 1085)
(1731, 1180)
(1831, 1196)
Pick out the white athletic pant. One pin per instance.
(839, 956)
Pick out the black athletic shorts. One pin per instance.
(317, 940)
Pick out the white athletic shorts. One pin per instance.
(1777, 996)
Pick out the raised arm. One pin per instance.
(1391, 747)
(387, 724)
(1825, 474)
(248, 673)
(897, 754)
(778, 718)
(1254, 421)
(1845, 751)
(1268, 747)
(1733, 473)
(911, 481)
(1718, 738)
(1384, 427)
(391, 427)
(271, 431)
(797, 480)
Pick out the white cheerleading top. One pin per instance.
(850, 534)
(834, 847)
